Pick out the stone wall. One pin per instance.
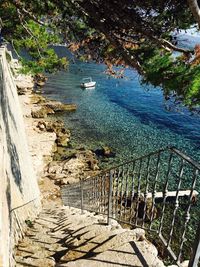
(19, 192)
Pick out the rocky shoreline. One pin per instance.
(55, 161)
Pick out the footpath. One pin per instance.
(62, 236)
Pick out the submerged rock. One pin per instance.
(54, 126)
(105, 151)
(50, 126)
(64, 153)
(54, 105)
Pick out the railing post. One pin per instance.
(194, 260)
(81, 187)
(110, 197)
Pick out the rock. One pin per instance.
(63, 137)
(68, 181)
(41, 113)
(105, 151)
(24, 84)
(148, 210)
(41, 126)
(41, 76)
(77, 164)
(64, 153)
(24, 87)
(89, 158)
(40, 79)
(55, 167)
(54, 148)
(93, 164)
(58, 106)
(40, 83)
(37, 99)
(53, 126)
(69, 107)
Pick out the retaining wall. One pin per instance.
(19, 192)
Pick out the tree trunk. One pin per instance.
(194, 7)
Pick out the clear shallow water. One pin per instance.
(121, 113)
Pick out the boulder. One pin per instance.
(51, 126)
(63, 140)
(41, 112)
(105, 151)
(64, 153)
(63, 137)
(37, 99)
(41, 126)
(58, 106)
(40, 83)
(93, 164)
(24, 86)
(57, 169)
(40, 79)
(24, 83)
(89, 159)
(77, 164)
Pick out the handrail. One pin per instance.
(185, 157)
(128, 162)
(18, 207)
(157, 192)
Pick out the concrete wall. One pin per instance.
(19, 192)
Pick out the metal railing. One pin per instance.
(157, 192)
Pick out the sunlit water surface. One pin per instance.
(121, 113)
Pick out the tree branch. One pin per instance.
(27, 13)
(194, 8)
(30, 33)
(173, 47)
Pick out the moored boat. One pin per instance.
(88, 83)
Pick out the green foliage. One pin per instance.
(192, 94)
(8, 57)
(105, 31)
(29, 223)
(42, 58)
(172, 74)
(49, 64)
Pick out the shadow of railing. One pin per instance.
(157, 192)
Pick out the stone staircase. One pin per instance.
(64, 237)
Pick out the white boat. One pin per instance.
(88, 83)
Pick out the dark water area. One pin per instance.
(121, 113)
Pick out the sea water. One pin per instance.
(131, 118)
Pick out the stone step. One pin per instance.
(133, 253)
(86, 233)
(101, 243)
(41, 262)
(64, 236)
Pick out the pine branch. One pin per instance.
(19, 6)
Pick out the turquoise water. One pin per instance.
(120, 113)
